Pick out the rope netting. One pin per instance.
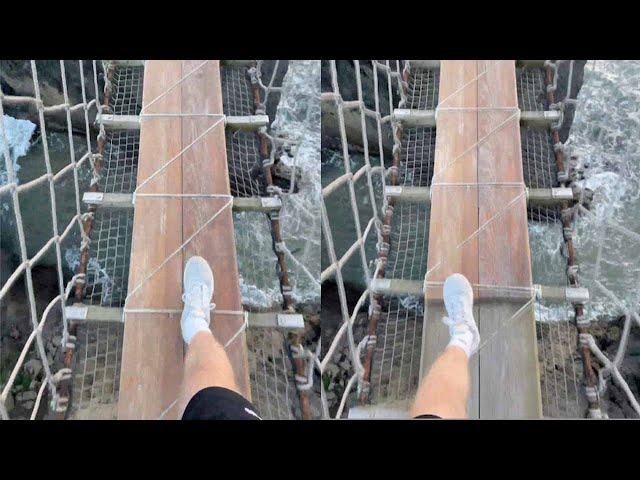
(119, 162)
(372, 231)
(96, 378)
(83, 367)
(105, 258)
(126, 92)
(51, 372)
(385, 361)
(251, 158)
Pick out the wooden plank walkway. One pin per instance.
(153, 349)
(479, 228)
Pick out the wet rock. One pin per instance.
(9, 402)
(16, 79)
(26, 396)
(33, 367)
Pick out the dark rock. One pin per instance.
(16, 79)
(577, 79)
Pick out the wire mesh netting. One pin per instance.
(417, 149)
(422, 91)
(559, 371)
(531, 88)
(237, 96)
(273, 389)
(539, 169)
(560, 366)
(126, 93)
(97, 371)
(259, 279)
(258, 273)
(39, 358)
(119, 171)
(251, 89)
(96, 368)
(395, 375)
(246, 176)
(380, 99)
(409, 242)
(110, 250)
(396, 361)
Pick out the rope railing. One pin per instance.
(392, 70)
(301, 360)
(595, 388)
(54, 371)
(533, 81)
(113, 169)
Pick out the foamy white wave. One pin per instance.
(72, 257)
(606, 136)
(18, 135)
(297, 119)
(552, 313)
(411, 302)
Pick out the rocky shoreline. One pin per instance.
(16, 326)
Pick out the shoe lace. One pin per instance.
(194, 298)
(459, 311)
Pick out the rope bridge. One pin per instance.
(84, 382)
(386, 360)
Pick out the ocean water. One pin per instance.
(27, 153)
(338, 204)
(18, 135)
(606, 136)
(297, 119)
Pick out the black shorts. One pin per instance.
(427, 415)
(219, 403)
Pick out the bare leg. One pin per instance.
(445, 390)
(206, 365)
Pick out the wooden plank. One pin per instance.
(454, 209)
(153, 349)
(152, 346)
(205, 172)
(478, 142)
(509, 379)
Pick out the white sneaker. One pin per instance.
(458, 300)
(198, 292)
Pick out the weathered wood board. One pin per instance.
(479, 228)
(509, 378)
(153, 349)
(454, 209)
